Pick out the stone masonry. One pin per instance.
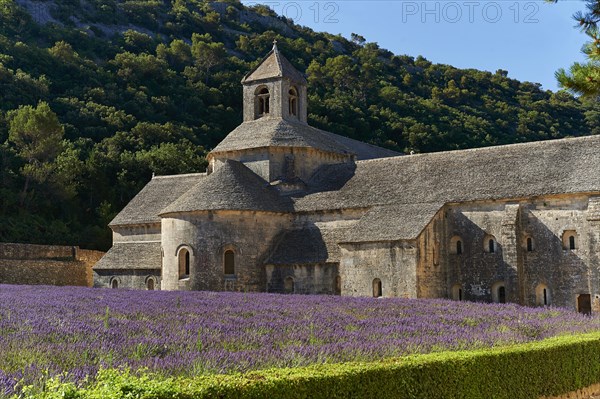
(288, 208)
(46, 264)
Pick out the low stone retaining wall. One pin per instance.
(46, 264)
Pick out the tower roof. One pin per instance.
(277, 132)
(231, 187)
(274, 65)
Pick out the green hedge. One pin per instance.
(550, 367)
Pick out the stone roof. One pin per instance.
(362, 150)
(308, 245)
(232, 186)
(279, 132)
(157, 194)
(274, 65)
(393, 222)
(502, 172)
(131, 255)
(406, 192)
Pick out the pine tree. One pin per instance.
(584, 78)
(37, 136)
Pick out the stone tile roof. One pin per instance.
(363, 151)
(274, 65)
(131, 255)
(157, 194)
(278, 132)
(393, 222)
(308, 245)
(231, 187)
(502, 172)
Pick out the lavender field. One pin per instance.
(47, 331)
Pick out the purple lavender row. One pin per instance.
(47, 331)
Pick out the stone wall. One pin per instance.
(272, 163)
(46, 264)
(137, 233)
(278, 100)
(567, 273)
(302, 279)
(491, 251)
(478, 268)
(431, 273)
(531, 259)
(394, 264)
(138, 279)
(207, 236)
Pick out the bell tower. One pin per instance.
(275, 89)
(275, 141)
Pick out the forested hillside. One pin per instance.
(97, 95)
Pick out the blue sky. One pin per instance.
(529, 39)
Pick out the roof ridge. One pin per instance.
(247, 75)
(179, 175)
(275, 51)
(491, 148)
(284, 68)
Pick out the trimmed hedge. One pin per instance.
(551, 367)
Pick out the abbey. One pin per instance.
(288, 208)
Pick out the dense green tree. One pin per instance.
(584, 78)
(206, 53)
(37, 136)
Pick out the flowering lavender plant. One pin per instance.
(73, 332)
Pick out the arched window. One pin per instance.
(570, 240)
(377, 292)
(288, 285)
(262, 102)
(457, 292)
(542, 295)
(150, 284)
(529, 244)
(456, 245)
(499, 292)
(489, 244)
(338, 285)
(184, 263)
(229, 262)
(293, 101)
(114, 283)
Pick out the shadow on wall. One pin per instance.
(299, 264)
(549, 267)
(553, 262)
(477, 270)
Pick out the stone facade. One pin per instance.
(532, 250)
(207, 237)
(46, 264)
(139, 279)
(288, 208)
(393, 264)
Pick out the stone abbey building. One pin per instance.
(285, 207)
